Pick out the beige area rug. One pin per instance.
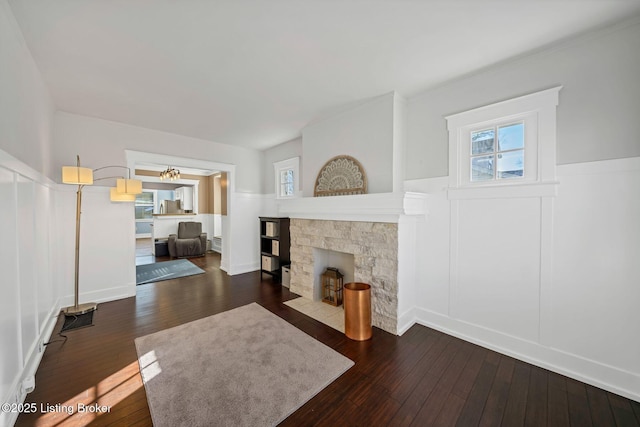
(320, 311)
(243, 367)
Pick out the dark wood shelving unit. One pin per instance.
(275, 245)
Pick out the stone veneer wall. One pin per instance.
(374, 246)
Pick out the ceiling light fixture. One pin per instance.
(170, 174)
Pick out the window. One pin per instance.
(286, 183)
(144, 205)
(506, 143)
(287, 177)
(497, 153)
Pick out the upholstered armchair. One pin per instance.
(190, 240)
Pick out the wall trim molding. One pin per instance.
(103, 295)
(588, 371)
(511, 191)
(375, 207)
(406, 320)
(538, 113)
(243, 268)
(29, 353)
(599, 167)
(36, 352)
(12, 164)
(548, 348)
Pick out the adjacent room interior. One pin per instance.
(434, 205)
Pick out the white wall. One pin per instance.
(598, 109)
(101, 142)
(399, 143)
(37, 222)
(29, 285)
(550, 280)
(243, 245)
(408, 228)
(26, 109)
(107, 245)
(596, 273)
(575, 258)
(365, 132)
(280, 152)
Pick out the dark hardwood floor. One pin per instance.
(423, 378)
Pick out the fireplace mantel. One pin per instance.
(376, 207)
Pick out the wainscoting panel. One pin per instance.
(432, 248)
(26, 271)
(550, 277)
(107, 246)
(596, 289)
(240, 242)
(29, 302)
(44, 213)
(10, 332)
(498, 265)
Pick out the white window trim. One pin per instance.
(538, 110)
(293, 164)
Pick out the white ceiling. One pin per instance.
(254, 73)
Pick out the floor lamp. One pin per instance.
(125, 191)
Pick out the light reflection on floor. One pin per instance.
(106, 394)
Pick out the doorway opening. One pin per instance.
(203, 193)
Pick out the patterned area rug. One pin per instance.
(166, 270)
(243, 367)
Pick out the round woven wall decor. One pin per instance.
(340, 176)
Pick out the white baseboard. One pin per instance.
(103, 295)
(243, 268)
(589, 371)
(36, 351)
(406, 321)
(224, 267)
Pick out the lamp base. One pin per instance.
(76, 310)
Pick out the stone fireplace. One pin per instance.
(374, 246)
(378, 230)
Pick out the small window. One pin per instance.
(287, 177)
(286, 183)
(498, 153)
(506, 143)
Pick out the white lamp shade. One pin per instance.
(77, 175)
(129, 186)
(117, 196)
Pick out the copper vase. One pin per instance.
(357, 311)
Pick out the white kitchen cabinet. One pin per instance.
(185, 195)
